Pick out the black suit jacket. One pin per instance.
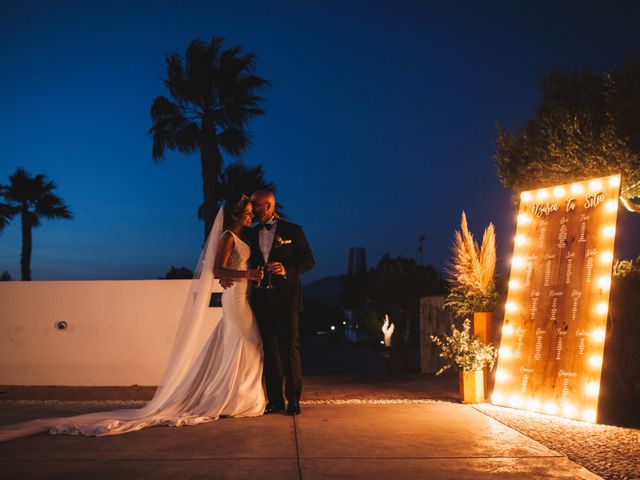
(294, 252)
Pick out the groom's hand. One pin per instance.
(226, 282)
(277, 268)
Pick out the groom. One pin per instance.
(284, 252)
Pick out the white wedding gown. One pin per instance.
(223, 379)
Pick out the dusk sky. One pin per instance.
(380, 124)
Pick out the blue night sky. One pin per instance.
(380, 121)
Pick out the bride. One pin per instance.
(210, 373)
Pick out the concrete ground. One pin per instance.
(351, 427)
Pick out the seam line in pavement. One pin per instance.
(295, 437)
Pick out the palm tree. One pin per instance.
(33, 198)
(6, 212)
(214, 95)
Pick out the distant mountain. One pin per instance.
(327, 289)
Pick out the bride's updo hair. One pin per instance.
(233, 207)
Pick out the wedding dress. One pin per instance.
(206, 377)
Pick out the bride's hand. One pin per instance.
(255, 274)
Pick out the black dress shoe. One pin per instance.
(274, 408)
(293, 408)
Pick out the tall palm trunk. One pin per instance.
(210, 164)
(25, 256)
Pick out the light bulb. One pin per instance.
(507, 330)
(611, 206)
(504, 352)
(515, 400)
(569, 410)
(595, 361)
(604, 283)
(614, 181)
(497, 397)
(595, 185)
(559, 192)
(576, 188)
(606, 257)
(592, 389)
(525, 196)
(589, 415)
(517, 262)
(609, 231)
(542, 194)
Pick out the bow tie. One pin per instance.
(265, 226)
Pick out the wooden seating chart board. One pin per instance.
(550, 357)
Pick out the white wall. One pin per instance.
(118, 333)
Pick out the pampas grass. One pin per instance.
(471, 271)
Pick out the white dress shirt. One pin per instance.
(266, 239)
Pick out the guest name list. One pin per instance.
(550, 356)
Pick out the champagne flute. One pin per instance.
(259, 284)
(269, 286)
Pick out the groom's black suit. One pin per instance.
(277, 311)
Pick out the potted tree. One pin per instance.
(470, 355)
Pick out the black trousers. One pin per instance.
(281, 344)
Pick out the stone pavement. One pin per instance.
(373, 427)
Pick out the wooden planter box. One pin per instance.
(472, 387)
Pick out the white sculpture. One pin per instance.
(387, 330)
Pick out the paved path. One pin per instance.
(389, 441)
(373, 427)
